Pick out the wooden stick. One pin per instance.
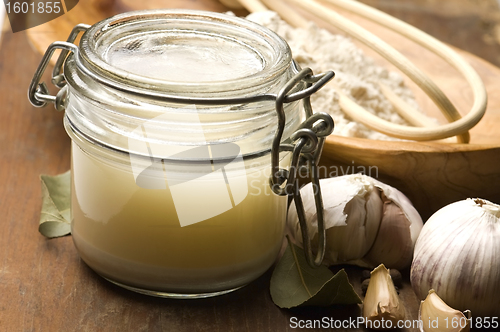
(233, 4)
(413, 116)
(410, 114)
(479, 91)
(253, 5)
(395, 57)
(359, 114)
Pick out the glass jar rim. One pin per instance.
(98, 39)
(110, 105)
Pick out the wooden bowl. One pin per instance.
(431, 174)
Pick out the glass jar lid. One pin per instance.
(194, 77)
(184, 52)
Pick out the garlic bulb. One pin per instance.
(367, 222)
(382, 308)
(458, 255)
(435, 315)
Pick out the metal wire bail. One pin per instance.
(38, 93)
(309, 140)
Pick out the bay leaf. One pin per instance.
(294, 283)
(55, 214)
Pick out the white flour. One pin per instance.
(356, 74)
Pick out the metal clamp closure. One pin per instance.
(38, 93)
(309, 140)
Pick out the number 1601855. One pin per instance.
(26, 7)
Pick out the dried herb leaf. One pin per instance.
(55, 215)
(294, 283)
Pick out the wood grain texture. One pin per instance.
(432, 175)
(44, 286)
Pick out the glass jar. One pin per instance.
(178, 121)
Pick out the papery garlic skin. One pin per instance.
(394, 244)
(347, 238)
(435, 315)
(458, 255)
(362, 216)
(381, 301)
(358, 229)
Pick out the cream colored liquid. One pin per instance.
(132, 235)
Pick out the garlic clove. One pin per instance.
(353, 240)
(393, 246)
(352, 210)
(336, 192)
(382, 308)
(406, 206)
(435, 315)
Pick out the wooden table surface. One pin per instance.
(44, 285)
